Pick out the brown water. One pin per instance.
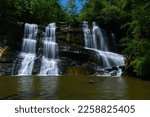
(73, 87)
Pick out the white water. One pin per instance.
(49, 65)
(100, 41)
(28, 53)
(95, 41)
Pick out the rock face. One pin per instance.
(77, 57)
(10, 44)
(74, 59)
(6, 61)
(5, 68)
(69, 35)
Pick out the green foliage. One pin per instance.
(71, 11)
(91, 10)
(137, 54)
(146, 65)
(71, 7)
(39, 11)
(137, 63)
(134, 46)
(140, 17)
(36, 11)
(103, 11)
(111, 12)
(137, 47)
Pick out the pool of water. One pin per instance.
(73, 88)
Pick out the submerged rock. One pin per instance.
(91, 81)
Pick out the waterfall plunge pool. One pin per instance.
(73, 88)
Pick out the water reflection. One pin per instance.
(113, 88)
(25, 87)
(25, 83)
(49, 87)
(73, 87)
(37, 88)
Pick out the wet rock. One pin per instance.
(113, 73)
(101, 72)
(91, 81)
(114, 68)
(5, 68)
(122, 68)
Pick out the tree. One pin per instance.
(39, 11)
(71, 11)
(138, 41)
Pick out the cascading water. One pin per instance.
(49, 65)
(106, 60)
(100, 41)
(28, 53)
(89, 42)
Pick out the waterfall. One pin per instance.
(100, 42)
(96, 41)
(28, 53)
(49, 65)
(88, 36)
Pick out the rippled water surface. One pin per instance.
(73, 87)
